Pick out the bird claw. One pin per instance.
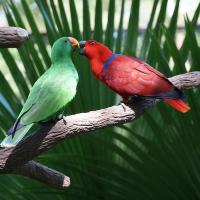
(61, 116)
(64, 120)
(123, 106)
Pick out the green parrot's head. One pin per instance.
(63, 47)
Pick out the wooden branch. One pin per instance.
(186, 81)
(12, 37)
(83, 123)
(43, 174)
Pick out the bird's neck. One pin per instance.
(97, 63)
(61, 59)
(64, 66)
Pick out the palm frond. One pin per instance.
(156, 157)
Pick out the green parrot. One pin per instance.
(50, 94)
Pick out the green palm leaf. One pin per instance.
(157, 156)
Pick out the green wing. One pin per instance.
(51, 93)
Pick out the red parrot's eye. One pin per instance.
(92, 43)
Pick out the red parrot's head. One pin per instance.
(96, 53)
(94, 50)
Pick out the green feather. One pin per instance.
(52, 92)
(10, 141)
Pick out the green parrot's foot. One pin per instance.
(64, 120)
(61, 116)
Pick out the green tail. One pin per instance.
(19, 135)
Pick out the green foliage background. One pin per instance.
(156, 157)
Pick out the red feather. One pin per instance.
(130, 76)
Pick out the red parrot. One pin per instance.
(130, 76)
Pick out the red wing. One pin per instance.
(127, 76)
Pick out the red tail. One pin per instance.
(178, 104)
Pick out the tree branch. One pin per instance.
(83, 123)
(43, 174)
(12, 37)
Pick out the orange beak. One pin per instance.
(74, 42)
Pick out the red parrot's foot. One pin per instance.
(123, 106)
(130, 100)
(123, 103)
(133, 99)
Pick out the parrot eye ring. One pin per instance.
(92, 43)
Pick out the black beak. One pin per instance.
(82, 43)
(74, 48)
(82, 47)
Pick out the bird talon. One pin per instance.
(64, 120)
(123, 106)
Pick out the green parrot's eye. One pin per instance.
(92, 43)
(65, 41)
